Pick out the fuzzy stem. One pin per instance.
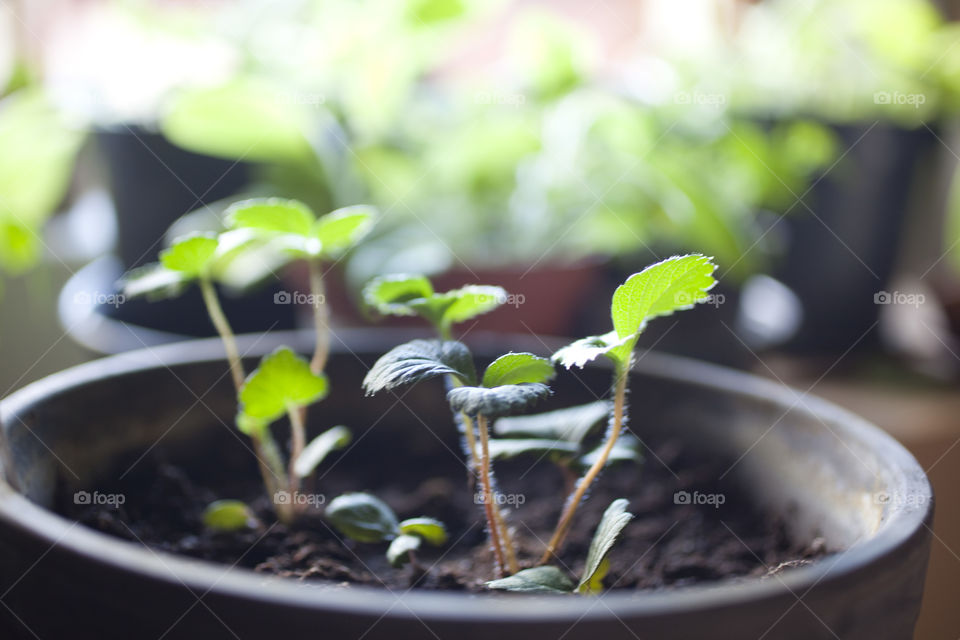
(488, 504)
(321, 318)
(566, 519)
(298, 436)
(219, 320)
(272, 471)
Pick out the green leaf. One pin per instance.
(319, 448)
(571, 424)
(398, 553)
(153, 281)
(362, 517)
(228, 515)
(191, 255)
(341, 229)
(545, 579)
(517, 368)
(469, 302)
(584, 350)
(662, 288)
(244, 119)
(498, 401)
(390, 294)
(419, 360)
(283, 381)
(614, 519)
(506, 448)
(253, 427)
(275, 215)
(626, 449)
(19, 245)
(429, 529)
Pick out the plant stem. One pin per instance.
(298, 437)
(488, 504)
(321, 318)
(563, 526)
(271, 469)
(220, 322)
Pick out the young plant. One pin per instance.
(510, 384)
(562, 437)
(552, 579)
(673, 284)
(293, 229)
(366, 518)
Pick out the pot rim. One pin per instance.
(901, 523)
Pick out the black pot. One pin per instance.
(817, 466)
(842, 255)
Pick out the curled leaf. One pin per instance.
(419, 360)
(626, 449)
(498, 401)
(584, 350)
(516, 368)
(398, 553)
(614, 519)
(319, 448)
(429, 529)
(391, 294)
(362, 517)
(545, 579)
(506, 448)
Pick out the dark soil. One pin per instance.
(666, 545)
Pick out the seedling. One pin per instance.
(552, 579)
(659, 290)
(366, 518)
(511, 383)
(562, 437)
(284, 384)
(229, 515)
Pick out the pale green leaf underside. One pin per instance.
(506, 448)
(398, 553)
(276, 215)
(584, 350)
(227, 515)
(153, 281)
(282, 381)
(319, 448)
(517, 368)
(433, 531)
(419, 360)
(362, 517)
(626, 449)
(545, 579)
(571, 424)
(614, 519)
(498, 401)
(191, 255)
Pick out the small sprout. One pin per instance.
(366, 518)
(319, 448)
(550, 579)
(614, 519)
(228, 515)
(665, 287)
(408, 295)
